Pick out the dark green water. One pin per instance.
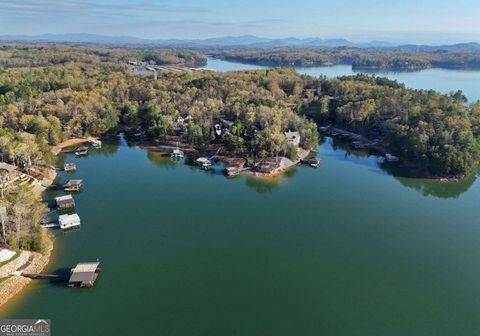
(346, 249)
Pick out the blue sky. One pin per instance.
(406, 21)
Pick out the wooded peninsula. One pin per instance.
(386, 59)
(52, 93)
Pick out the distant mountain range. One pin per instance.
(246, 41)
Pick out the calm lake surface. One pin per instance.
(345, 249)
(441, 80)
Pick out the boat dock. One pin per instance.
(203, 162)
(73, 185)
(84, 274)
(69, 222)
(177, 153)
(42, 276)
(70, 167)
(65, 202)
(81, 151)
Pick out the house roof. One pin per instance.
(7, 167)
(74, 182)
(292, 135)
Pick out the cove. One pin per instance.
(345, 249)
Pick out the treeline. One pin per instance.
(24, 212)
(55, 102)
(373, 59)
(16, 56)
(173, 56)
(439, 132)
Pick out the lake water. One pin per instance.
(345, 249)
(441, 80)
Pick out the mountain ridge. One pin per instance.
(242, 41)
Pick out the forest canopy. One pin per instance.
(92, 95)
(373, 59)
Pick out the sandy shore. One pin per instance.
(71, 142)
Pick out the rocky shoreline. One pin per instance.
(29, 262)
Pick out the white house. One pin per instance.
(293, 138)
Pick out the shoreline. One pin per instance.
(165, 148)
(415, 170)
(35, 263)
(28, 261)
(71, 142)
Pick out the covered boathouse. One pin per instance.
(84, 274)
(65, 202)
(73, 185)
(68, 222)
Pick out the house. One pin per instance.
(68, 222)
(218, 129)
(293, 138)
(181, 122)
(65, 202)
(227, 123)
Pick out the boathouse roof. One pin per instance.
(74, 182)
(69, 219)
(84, 273)
(65, 198)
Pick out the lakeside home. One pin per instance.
(293, 138)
